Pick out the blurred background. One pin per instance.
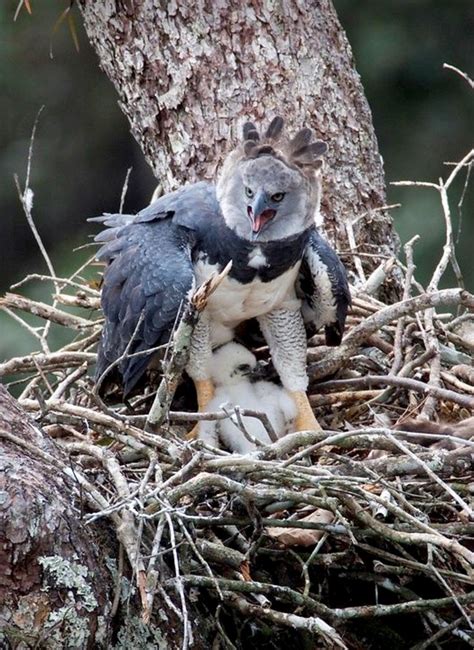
(423, 115)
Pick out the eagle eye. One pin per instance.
(249, 192)
(278, 197)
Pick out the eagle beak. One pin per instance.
(259, 213)
(263, 370)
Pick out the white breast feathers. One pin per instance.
(234, 301)
(231, 365)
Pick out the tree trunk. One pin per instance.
(188, 76)
(58, 576)
(54, 584)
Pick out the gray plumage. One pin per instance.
(323, 289)
(274, 129)
(261, 215)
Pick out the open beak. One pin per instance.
(259, 213)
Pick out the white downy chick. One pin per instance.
(231, 365)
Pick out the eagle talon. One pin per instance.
(204, 392)
(305, 419)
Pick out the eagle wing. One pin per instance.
(148, 277)
(323, 289)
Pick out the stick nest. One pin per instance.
(356, 536)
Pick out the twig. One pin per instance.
(181, 344)
(402, 382)
(40, 309)
(418, 539)
(359, 334)
(314, 625)
(353, 249)
(34, 331)
(64, 281)
(26, 199)
(433, 475)
(413, 607)
(397, 344)
(69, 380)
(462, 74)
(377, 277)
(124, 189)
(187, 631)
(49, 362)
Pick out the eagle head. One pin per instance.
(270, 187)
(231, 364)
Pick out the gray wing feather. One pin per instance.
(146, 281)
(148, 276)
(323, 288)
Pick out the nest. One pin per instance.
(356, 536)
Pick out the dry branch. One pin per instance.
(180, 350)
(14, 301)
(189, 517)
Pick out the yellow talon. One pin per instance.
(204, 392)
(305, 419)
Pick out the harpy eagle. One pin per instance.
(261, 214)
(233, 373)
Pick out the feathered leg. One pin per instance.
(198, 368)
(285, 333)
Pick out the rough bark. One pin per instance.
(188, 75)
(58, 577)
(54, 583)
